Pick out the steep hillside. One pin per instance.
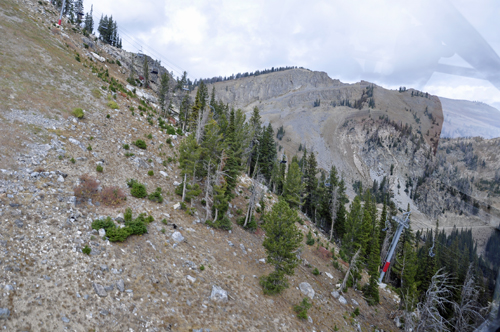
(463, 118)
(59, 173)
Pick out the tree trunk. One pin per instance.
(184, 189)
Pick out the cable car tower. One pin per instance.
(401, 225)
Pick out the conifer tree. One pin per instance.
(162, 92)
(293, 186)
(311, 169)
(283, 238)
(255, 133)
(189, 155)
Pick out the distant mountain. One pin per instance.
(463, 118)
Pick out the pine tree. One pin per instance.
(293, 186)
(255, 133)
(353, 229)
(283, 238)
(163, 91)
(311, 169)
(382, 222)
(189, 155)
(267, 153)
(373, 265)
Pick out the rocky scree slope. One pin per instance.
(147, 283)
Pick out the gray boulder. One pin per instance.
(177, 237)
(307, 290)
(342, 300)
(4, 313)
(218, 294)
(120, 285)
(99, 290)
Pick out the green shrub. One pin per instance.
(150, 136)
(202, 267)
(78, 113)
(60, 157)
(86, 250)
(239, 212)
(164, 221)
(169, 141)
(91, 137)
(163, 230)
(106, 224)
(126, 146)
(118, 63)
(310, 240)
(127, 216)
(108, 116)
(89, 147)
(112, 104)
(77, 57)
(140, 144)
(251, 224)
(99, 168)
(171, 130)
(138, 190)
(316, 271)
(72, 160)
(302, 308)
(151, 173)
(156, 196)
(118, 234)
(356, 312)
(128, 154)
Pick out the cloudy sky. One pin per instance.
(416, 44)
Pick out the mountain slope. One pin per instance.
(151, 282)
(463, 118)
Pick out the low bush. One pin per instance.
(140, 144)
(251, 224)
(78, 113)
(112, 196)
(72, 160)
(138, 190)
(99, 168)
(315, 271)
(138, 226)
(128, 154)
(156, 196)
(202, 267)
(108, 116)
(127, 216)
(126, 146)
(89, 147)
(302, 308)
(222, 223)
(112, 104)
(150, 136)
(310, 240)
(87, 188)
(151, 173)
(86, 250)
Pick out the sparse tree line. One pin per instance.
(240, 75)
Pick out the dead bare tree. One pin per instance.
(209, 190)
(333, 209)
(202, 121)
(468, 312)
(436, 298)
(352, 268)
(409, 316)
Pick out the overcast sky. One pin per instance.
(389, 42)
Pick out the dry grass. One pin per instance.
(112, 196)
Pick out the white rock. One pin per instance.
(307, 290)
(354, 302)
(177, 206)
(176, 183)
(218, 294)
(177, 237)
(329, 275)
(60, 178)
(191, 278)
(335, 294)
(98, 57)
(102, 232)
(342, 300)
(262, 260)
(164, 173)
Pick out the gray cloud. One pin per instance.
(387, 41)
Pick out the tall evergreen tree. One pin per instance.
(163, 92)
(293, 186)
(283, 238)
